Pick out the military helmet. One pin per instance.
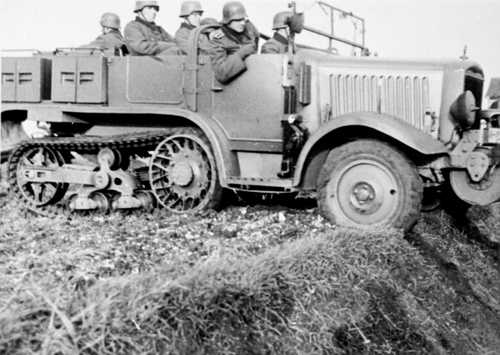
(110, 20)
(280, 20)
(188, 7)
(139, 5)
(233, 10)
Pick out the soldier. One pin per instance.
(240, 40)
(111, 40)
(191, 12)
(493, 93)
(279, 42)
(144, 37)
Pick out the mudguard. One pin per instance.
(384, 124)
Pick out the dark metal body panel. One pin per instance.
(251, 107)
(148, 80)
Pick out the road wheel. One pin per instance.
(369, 184)
(183, 174)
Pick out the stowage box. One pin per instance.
(26, 79)
(79, 79)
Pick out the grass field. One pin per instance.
(247, 280)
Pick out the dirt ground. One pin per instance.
(434, 290)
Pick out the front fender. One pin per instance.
(385, 125)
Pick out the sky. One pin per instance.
(394, 28)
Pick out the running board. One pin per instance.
(270, 185)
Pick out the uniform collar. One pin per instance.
(146, 23)
(187, 26)
(281, 39)
(236, 36)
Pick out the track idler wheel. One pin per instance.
(39, 194)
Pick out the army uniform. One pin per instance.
(147, 38)
(182, 36)
(228, 53)
(277, 45)
(112, 43)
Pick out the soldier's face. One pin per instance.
(149, 13)
(238, 25)
(194, 19)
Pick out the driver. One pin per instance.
(240, 40)
(144, 36)
(278, 44)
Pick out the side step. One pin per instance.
(269, 185)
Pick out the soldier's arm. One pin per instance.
(182, 39)
(226, 67)
(254, 32)
(138, 42)
(270, 48)
(97, 43)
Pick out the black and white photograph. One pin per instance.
(250, 177)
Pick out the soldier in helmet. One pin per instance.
(493, 93)
(240, 40)
(279, 42)
(191, 12)
(111, 40)
(144, 36)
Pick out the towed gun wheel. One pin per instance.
(183, 175)
(38, 194)
(480, 193)
(369, 184)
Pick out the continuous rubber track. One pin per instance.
(136, 143)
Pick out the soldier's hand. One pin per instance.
(246, 50)
(216, 34)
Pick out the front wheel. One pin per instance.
(369, 184)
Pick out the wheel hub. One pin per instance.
(363, 194)
(364, 191)
(182, 174)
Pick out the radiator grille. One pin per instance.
(406, 97)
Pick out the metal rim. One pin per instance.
(482, 193)
(365, 192)
(182, 173)
(40, 194)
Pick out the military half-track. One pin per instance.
(365, 136)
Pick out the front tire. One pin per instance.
(369, 184)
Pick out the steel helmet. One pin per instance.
(139, 5)
(280, 20)
(188, 7)
(233, 10)
(110, 20)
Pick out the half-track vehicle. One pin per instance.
(366, 136)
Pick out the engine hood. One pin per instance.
(325, 59)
